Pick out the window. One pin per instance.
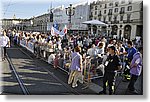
(116, 10)
(123, 1)
(110, 12)
(116, 3)
(128, 17)
(110, 4)
(130, 1)
(129, 8)
(115, 18)
(99, 18)
(91, 7)
(99, 13)
(95, 7)
(109, 18)
(95, 12)
(100, 6)
(122, 9)
(121, 18)
(91, 13)
(95, 18)
(105, 5)
(141, 6)
(104, 11)
(104, 19)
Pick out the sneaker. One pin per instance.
(81, 81)
(69, 83)
(74, 86)
(102, 92)
(3, 59)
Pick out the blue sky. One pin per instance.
(30, 8)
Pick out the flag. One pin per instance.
(54, 31)
(56, 25)
(63, 32)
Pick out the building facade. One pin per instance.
(124, 18)
(44, 22)
(60, 17)
(39, 23)
(15, 23)
(11, 23)
(81, 15)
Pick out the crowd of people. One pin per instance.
(74, 50)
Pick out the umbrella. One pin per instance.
(95, 22)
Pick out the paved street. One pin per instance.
(89, 36)
(35, 75)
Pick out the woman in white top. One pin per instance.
(5, 43)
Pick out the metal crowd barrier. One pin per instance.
(87, 72)
(29, 46)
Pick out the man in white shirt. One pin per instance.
(5, 42)
(92, 51)
(100, 48)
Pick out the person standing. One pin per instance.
(5, 44)
(130, 52)
(112, 65)
(135, 69)
(76, 68)
(10, 35)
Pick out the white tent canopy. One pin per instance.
(95, 22)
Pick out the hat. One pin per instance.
(112, 47)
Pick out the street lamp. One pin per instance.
(80, 19)
(70, 11)
(32, 24)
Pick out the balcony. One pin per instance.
(100, 14)
(136, 21)
(114, 22)
(90, 16)
(126, 21)
(106, 22)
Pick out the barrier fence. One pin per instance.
(50, 55)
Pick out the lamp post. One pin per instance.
(70, 11)
(80, 19)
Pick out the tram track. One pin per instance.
(55, 77)
(20, 81)
(24, 88)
